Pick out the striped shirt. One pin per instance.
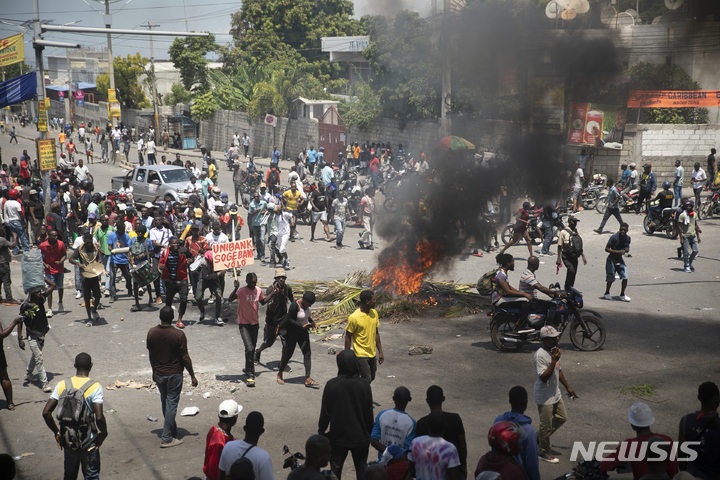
(528, 282)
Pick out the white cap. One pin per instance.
(548, 332)
(229, 409)
(640, 415)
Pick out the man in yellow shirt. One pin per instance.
(362, 333)
(292, 199)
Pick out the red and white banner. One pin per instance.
(233, 254)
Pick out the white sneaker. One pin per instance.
(211, 301)
(625, 298)
(78, 294)
(141, 291)
(60, 308)
(46, 388)
(218, 321)
(106, 293)
(607, 296)
(49, 313)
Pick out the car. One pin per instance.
(149, 181)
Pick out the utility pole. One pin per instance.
(40, 79)
(70, 99)
(111, 67)
(445, 121)
(150, 26)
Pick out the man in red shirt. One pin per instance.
(640, 418)
(54, 254)
(374, 169)
(247, 317)
(197, 245)
(218, 436)
(25, 171)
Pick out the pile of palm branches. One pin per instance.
(341, 298)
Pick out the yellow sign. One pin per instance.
(115, 109)
(47, 103)
(12, 50)
(46, 154)
(111, 95)
(42, 117)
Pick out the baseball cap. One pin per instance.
(573, 218)
(32, 192)
(640, 415)
(262, 185)
(92, 215)
(228, 409)
(548, 332)
(632, 165)
(280, 272)
(647, 165)
(198, 212)
(148, 205)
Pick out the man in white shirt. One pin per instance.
(117, 135)
(81, 171)
(160, 237)
(151, 151)
(236, 140)
(547, 394)
(285, 220)
(578, 180)
(193, 186)
(698, 180)
(247, 448)
(246, 143)
(140, 147)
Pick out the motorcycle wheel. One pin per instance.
(390, 205)
(507, 234)
(503, 324)
(590, 341)
(646, 225)
(601, 205)
(669, 231)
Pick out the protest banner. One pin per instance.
(233, 254)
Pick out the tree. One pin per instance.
(405, 62)
(127, 86)
(12, 71)
(363, 108)
(189, 56)
(205, 106)
(646, 76)
(177, 94)
(285, 85)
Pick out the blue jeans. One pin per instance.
(259, 238)
(374, 180)
(89, 461)
(548, 226)
(17, 228)
(105, 259)
(610, 211)
(689, 245)
(117, 144)
(677, 189)
(654, 212)
(340, 229)
(170, 387)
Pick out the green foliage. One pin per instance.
(285, 85)
(177, 94)
(12, 71)
(362, 109)
(405, 62)
(268, 30)
(205, 106)
(189, 56)
(127, 86)
(639, 390)
(647, 76)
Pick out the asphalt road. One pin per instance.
(666, 336)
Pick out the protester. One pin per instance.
(339, 214)
(698, 181)
(210, 281)
(6, 247)
(318, 203)
(394, 426)
(347, 408)
(617, 247)
(168, 356)
(218, 436)
(119, 240)
(247, 448)
(454, 431)
(295, 332)
(570, 248)
(368, 219)
(85, 257)
(527, 456)
(432, 457)
(703, 426)
(4, 378)
(363, 335)
(248, 298)
(317, 455)
(81, 451)
(612, 205)
(277, 297)
(640, 418)
(54, 254)
(689, 236)
(504, 437)
(548, 398)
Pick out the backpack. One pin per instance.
(75, 418)
(139, 247)
(487, 284)
(274, 177)
(575, 244)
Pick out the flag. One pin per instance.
(18, 89)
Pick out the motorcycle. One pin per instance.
(710, 207)
(587, 332)
(625, 205)
(585, 470)
(292, 462)
(509, 230)
(666, 222)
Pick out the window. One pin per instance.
(175, 175)
(141, 175)
(153, 177)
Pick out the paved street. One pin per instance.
(666, 336)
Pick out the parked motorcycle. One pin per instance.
(665, 222)
(509, 230)
(587, 332)
(292, 462)
(710, 207)
(624, 205)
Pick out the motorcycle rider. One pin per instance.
(503, 293)
(664, 199)
(530, 285)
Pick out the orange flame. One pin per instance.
(402, 274)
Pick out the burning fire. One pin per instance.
(402, 273)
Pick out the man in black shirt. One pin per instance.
(454, 431)
(711, 168)
(34, 317)
(277, 296)
(55, 221)
(318, 202)
(5, 261)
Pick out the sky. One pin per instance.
(172, 15)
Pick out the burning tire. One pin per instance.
(503, 325)
(390, 204)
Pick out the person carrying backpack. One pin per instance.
(82, 431)
(570, 248)
(273, 179)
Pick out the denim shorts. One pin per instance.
(58, 278)
(615, 266)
